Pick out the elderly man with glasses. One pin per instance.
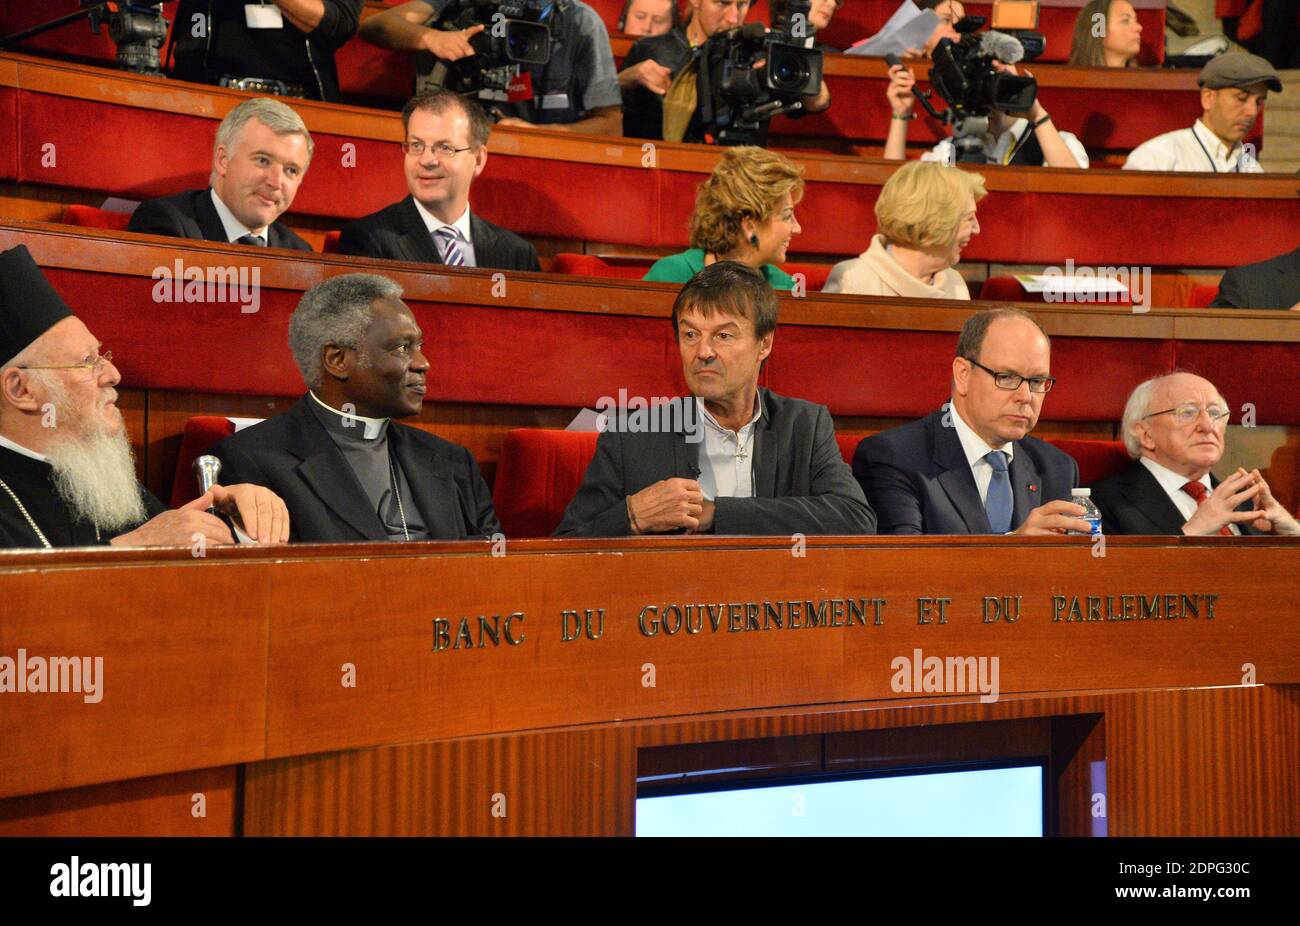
(1174, 429)
(446, 148)
(970, 467)
(67, 477)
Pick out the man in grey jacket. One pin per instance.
(730, 458)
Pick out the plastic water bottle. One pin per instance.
(1091, 514)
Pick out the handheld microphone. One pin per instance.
(207, 470)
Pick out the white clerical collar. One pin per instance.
(1213, 144)
(19, 448)
(373, 426)
(713, 422)
(972, 444)
(433, 223)
(1173, 482)
(234, 228)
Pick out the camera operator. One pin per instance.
(280, 48)
(1034, 141)
(576, 91)
(653, 63)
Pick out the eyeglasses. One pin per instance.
(1186, 414)
(90, 363)
(442, 149)
(1011, 381)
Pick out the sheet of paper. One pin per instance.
(909, 27)
(1042, 283)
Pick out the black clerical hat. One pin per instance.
(29, 306)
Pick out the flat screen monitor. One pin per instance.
(987, 801)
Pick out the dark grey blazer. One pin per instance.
(294, 456)
(1269, 284)
(1133, 502)
(801, 483)
(397, 232)
(917, 479)
(192, 215)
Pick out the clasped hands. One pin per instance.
(669, 505)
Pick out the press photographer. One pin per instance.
(494, 50)
(671, 93)
(995, 114)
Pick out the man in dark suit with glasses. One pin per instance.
(446, 148)
(970, 467)
(1174, 428)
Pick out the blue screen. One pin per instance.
(984, 802)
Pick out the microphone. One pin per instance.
(1003, 47)
(207, 470)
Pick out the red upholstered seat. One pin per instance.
(589, 265)
(1008, 289)
(90, 217)
(201, 432)
(1202, 295)
(331, 245)
(537, 476)
(1097, 459)
(540, 471)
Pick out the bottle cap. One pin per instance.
(1085, 493)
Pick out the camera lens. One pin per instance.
(789, 73)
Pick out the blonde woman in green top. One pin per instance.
(743, 212)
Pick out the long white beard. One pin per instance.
(94, 469)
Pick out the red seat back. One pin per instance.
(589, 265)
(1202, 295)
(90, 217)
(331, 245)
(1008, 289)
(537, 476)
(1097, 459)
(201, 433)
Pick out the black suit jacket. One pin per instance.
(918, 481)
(397, 232)
(1270, 284)
(801, 484)
(294, 456)
(192, 215)
(1133, 502)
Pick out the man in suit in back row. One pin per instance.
(730, 458)
(445, 148)
(1174, 428)
(970, 467)
(346, 471)
(1269, 284)
(261, 154)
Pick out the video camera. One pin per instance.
(963, 73)
(514, 35)
(737, 99)
(137, 29)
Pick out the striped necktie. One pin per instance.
(449, 244)
(1197, 491)
(255, 240)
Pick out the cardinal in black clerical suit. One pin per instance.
(66, 473)
(347, 471)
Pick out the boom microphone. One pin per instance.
(1003, 47)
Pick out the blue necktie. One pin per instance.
(998, 503)
(452, 255)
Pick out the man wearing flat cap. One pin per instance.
(1234, 87)
(67, 478)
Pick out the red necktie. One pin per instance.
(1197, 491)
